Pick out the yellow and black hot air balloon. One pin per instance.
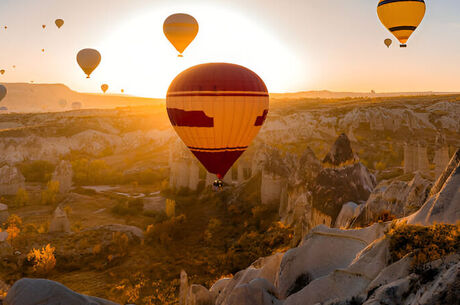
(181, 30)
(217, 109)
(401, 17)
(59, 23)
(388, 42)
(88, 60)
(104, 88)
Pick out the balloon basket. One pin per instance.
(403, 46)
(180, 55)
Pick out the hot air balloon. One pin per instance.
(122, 90)
(388, 42)
(6, 27)
(43, 50)
(181, 30)
(43, 26)
(217, 109)
(14, 67)
(59, 23)
(88, 59)
(401, 17)
(2, 72)
(104, 88)
(3, 92)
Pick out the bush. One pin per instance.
(128, 207)
(166, 231)
(425, 243)
(21, 199)
(37, 171)
(49, 196)
(43, 259)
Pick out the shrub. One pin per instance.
(37, 171)
(166, 231)
(21, 199)
(425, 243)
(129, 207)
(49, 196)
(43, 259)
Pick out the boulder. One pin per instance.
(60, 222)
(11, 179)
(257, 292)
(348, 213)
(63, 174)
(266, 268)
(320, 253)
(40, 291)
(3, 213)
(444, 206)
(199, 295)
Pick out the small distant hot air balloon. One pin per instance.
(59, 23)
(3, 92)
(88, 60)
(2, 72)
(388, 42)
(180, 30)
(122, 90)
(217, 109)
(76, 105)
(5, 27)
(401, 17)
(44, 26)
(104, 88)
(43, 50)
(14, 67)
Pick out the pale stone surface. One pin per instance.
(60, 222)
(11, 179)
(271, 188)
(4, 214)
(64, 175)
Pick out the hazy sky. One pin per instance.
(293, 45)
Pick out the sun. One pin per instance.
(139, 59)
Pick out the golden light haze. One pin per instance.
(293, 45)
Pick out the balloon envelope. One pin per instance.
(388, 42)
(401, 17)
(59, 23)
(180, 30)
(217, 109)
(2, 72)
(3, 92)
(88, 60)
(43, 26)
(104, 88)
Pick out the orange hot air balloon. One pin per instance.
(43, 26)
(122, 90)
(181, 30)
(217, 109)
(88, 60)
(2, 72)
(59, 23)
(104, 88)
(6, 27)
(43, 50)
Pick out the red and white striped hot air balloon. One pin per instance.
(217, 109)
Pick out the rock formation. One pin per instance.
(11, 179)
(63, 174)
(3, 213)
(40, 291)
(340, 152)
(399, 198)
(59, 223)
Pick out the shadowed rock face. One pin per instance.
(340, 152)
(336, 186)
(39, 291)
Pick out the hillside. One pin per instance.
(23, 97)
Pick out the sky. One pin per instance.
(294, 45)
